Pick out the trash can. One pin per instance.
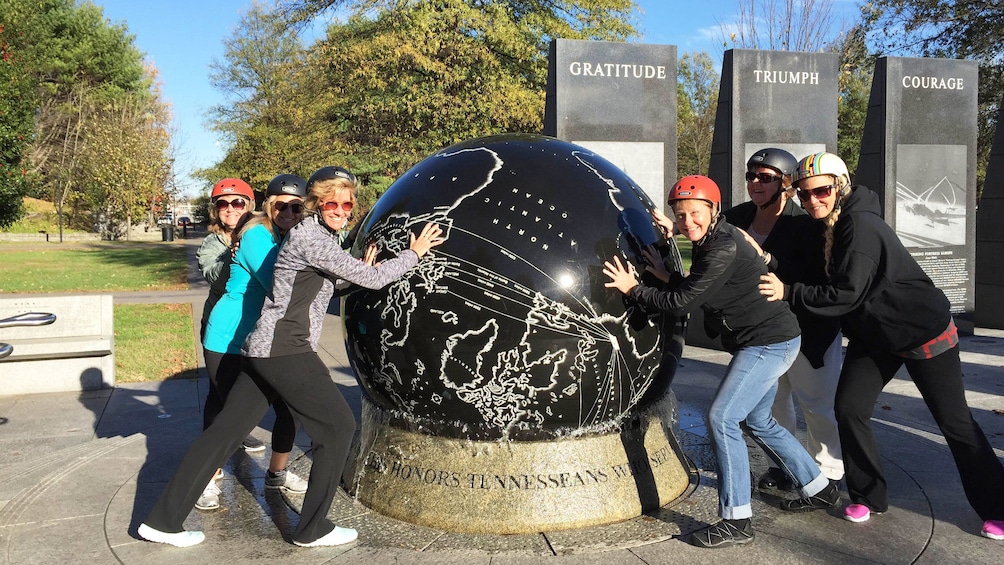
(167, 233)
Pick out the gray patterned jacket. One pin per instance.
(310, 261)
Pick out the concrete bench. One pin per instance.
(76, 352)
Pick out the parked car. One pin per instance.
(184, 221)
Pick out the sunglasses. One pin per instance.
(295, 207)
(762, 178)
(820, 192)
(237, 204)
(329, 206)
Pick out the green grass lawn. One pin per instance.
(92, 267)
(39, 215)
(686, 248)
(152, 341)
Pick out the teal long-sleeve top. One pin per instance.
(234, 315)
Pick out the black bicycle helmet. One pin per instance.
(328, 173)
(777, 159)
(773, 158)
(292, 185)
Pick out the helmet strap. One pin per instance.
(773, 199)
(711, 228)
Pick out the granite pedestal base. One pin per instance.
(510, 487)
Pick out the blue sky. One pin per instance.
(182, 37)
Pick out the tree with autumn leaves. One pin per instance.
(394, 82)
(82, 122)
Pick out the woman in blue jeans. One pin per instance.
(763, 339)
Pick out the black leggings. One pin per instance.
(939, 379)
(223, 369)
(303, 381)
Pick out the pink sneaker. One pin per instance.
(993, 529)
(857, 513)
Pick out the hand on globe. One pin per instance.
(656, 265)
(621, 277)
(664, 222)
(429, 238)
(371, 254)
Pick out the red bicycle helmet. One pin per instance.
(696, 187)
(232, 186)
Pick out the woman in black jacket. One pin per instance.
(793, 240)
(892, 315)
(763, 339)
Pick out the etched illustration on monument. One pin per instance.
(931, 199)
(508, 326)
(918, 149)
(506, 342)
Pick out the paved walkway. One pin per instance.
(82, 469)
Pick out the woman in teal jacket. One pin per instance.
(236, 312)
(230, 203)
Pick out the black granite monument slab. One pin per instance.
(918, 152)
(619, 100)
(990, 238)
(782, 99)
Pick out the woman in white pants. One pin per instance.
(776, 224)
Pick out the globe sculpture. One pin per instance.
(502, 379)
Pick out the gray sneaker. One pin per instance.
(210, 499)
(285, 480)
(252, 444)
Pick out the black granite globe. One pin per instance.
(506, 331)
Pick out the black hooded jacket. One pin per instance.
(796, 244)
(724, 281)
(881, 295)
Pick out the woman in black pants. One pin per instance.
(892, 315)
(280, 361)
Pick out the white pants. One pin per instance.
(815, 390)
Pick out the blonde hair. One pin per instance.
(843, 191)
(326, 189)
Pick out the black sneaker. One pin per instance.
(723, 534)
(829, 497)
(776, 478)
(251, 444)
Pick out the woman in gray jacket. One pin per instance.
(280, 361)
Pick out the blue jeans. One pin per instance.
(747, 393)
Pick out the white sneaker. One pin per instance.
(210, 499)
(337, 536)
(287, 481)
(180, 539)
